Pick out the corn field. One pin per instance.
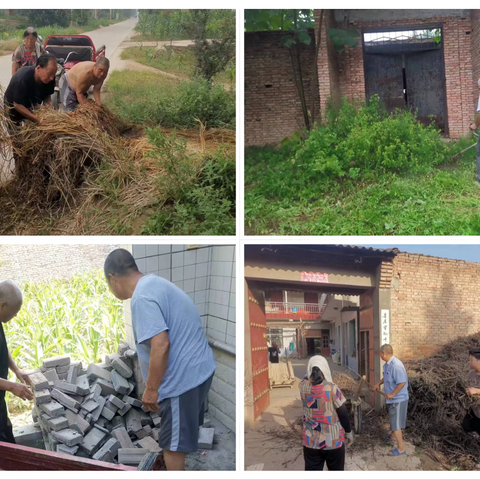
(77, 317)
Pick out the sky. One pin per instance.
(470, 253)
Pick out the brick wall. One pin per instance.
(475, 39)
(433, 301)
(458, 64)
(207, 274)
(37, 263)
(272, 105)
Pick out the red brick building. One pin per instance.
(394, 58)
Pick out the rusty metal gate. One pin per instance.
(408, 75)
(258, 345)
(366, 357)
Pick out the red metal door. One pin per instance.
(366, 328)
(258, 344)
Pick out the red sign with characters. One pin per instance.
(314, 277)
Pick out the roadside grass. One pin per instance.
(77, 317)
(363, 171)
(155, 99)
(179, 63)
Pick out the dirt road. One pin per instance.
(111, 37)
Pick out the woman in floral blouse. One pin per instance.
(325, 420)
(28, 52)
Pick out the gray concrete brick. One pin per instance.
(150, 444)
(63, 369)
(73, 370)
(62, 376)
(93, 441)
(107, 413)
(125, 409)
(116, 401)
(101, 427)
(107, 387)
(67, 450)
(119, 365)
(111, 406)
(118, 421)
(120, 434)
(98, 411)
(76, 422)
(39, 381)
(83, 385)
(131, 456)
(95, 371)
(111, 446)
(57, 361)
(67, 387)
(27, 433)
(105, 366)
(89, 405)
(69, 437)
(42, 396)
(155, 434)
(134, 402)
(53, 409)
(58, 423)
(51, 375)
(120, 384)
(65, 400)
(205, 438)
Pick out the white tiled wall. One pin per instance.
(207, 274)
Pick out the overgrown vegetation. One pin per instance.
(363, 172)
(154, 99)
(199, 191)
(77, 317)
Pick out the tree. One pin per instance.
(45, 17)
(212, 54)
(296, 25)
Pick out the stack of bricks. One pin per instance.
(91, 412)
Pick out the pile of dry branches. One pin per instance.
(348, 385)
(439, 402)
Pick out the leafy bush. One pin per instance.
(357, 141)
(148, 98)
(198, 202)
(45, 17)
(77, 317)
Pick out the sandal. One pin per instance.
(396, 453)
(389, 438)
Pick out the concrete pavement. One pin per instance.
(111, 37)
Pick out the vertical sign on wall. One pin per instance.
(385, 317)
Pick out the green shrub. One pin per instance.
(198, 202)
(354, 142)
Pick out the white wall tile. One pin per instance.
(142, 264)
(167, 274)
(231, 341)
(202, 255)
(200, 283)
(179, 284)
(232, 300)
(232, 314)
(189, 272)
(215, 334)
(177, 260)
(163, 249)
(138, 251)
(177, 274)
(189, 285)
(200, 297)
(152, 264)
(231, 329)
(151, 250)
(163, 262)
(189, 257)
(201, 269)
(178, 248)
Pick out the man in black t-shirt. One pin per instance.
(273, 352)
(29, 87)
(10, 303)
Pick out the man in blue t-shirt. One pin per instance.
(176, 361)
(395, 381)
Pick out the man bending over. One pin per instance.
(74, 85)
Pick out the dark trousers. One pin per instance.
(315, 459)
(471, 423)
(6, 432)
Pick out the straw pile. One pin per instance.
(74, 163)
(438, 402)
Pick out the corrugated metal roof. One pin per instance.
(371, 249)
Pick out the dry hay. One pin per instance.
(438, 402)
(59, 174)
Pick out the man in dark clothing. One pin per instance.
(10, 303)
(29, 87)
(273, 352)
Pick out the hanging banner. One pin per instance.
(314, 277)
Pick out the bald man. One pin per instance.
(11, 300)
(74, 85)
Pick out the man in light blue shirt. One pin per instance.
(176, 361)
(395, 382)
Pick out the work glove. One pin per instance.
(349, 437)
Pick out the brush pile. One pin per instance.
(348, 385)
(439, 402)
(52, 157)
